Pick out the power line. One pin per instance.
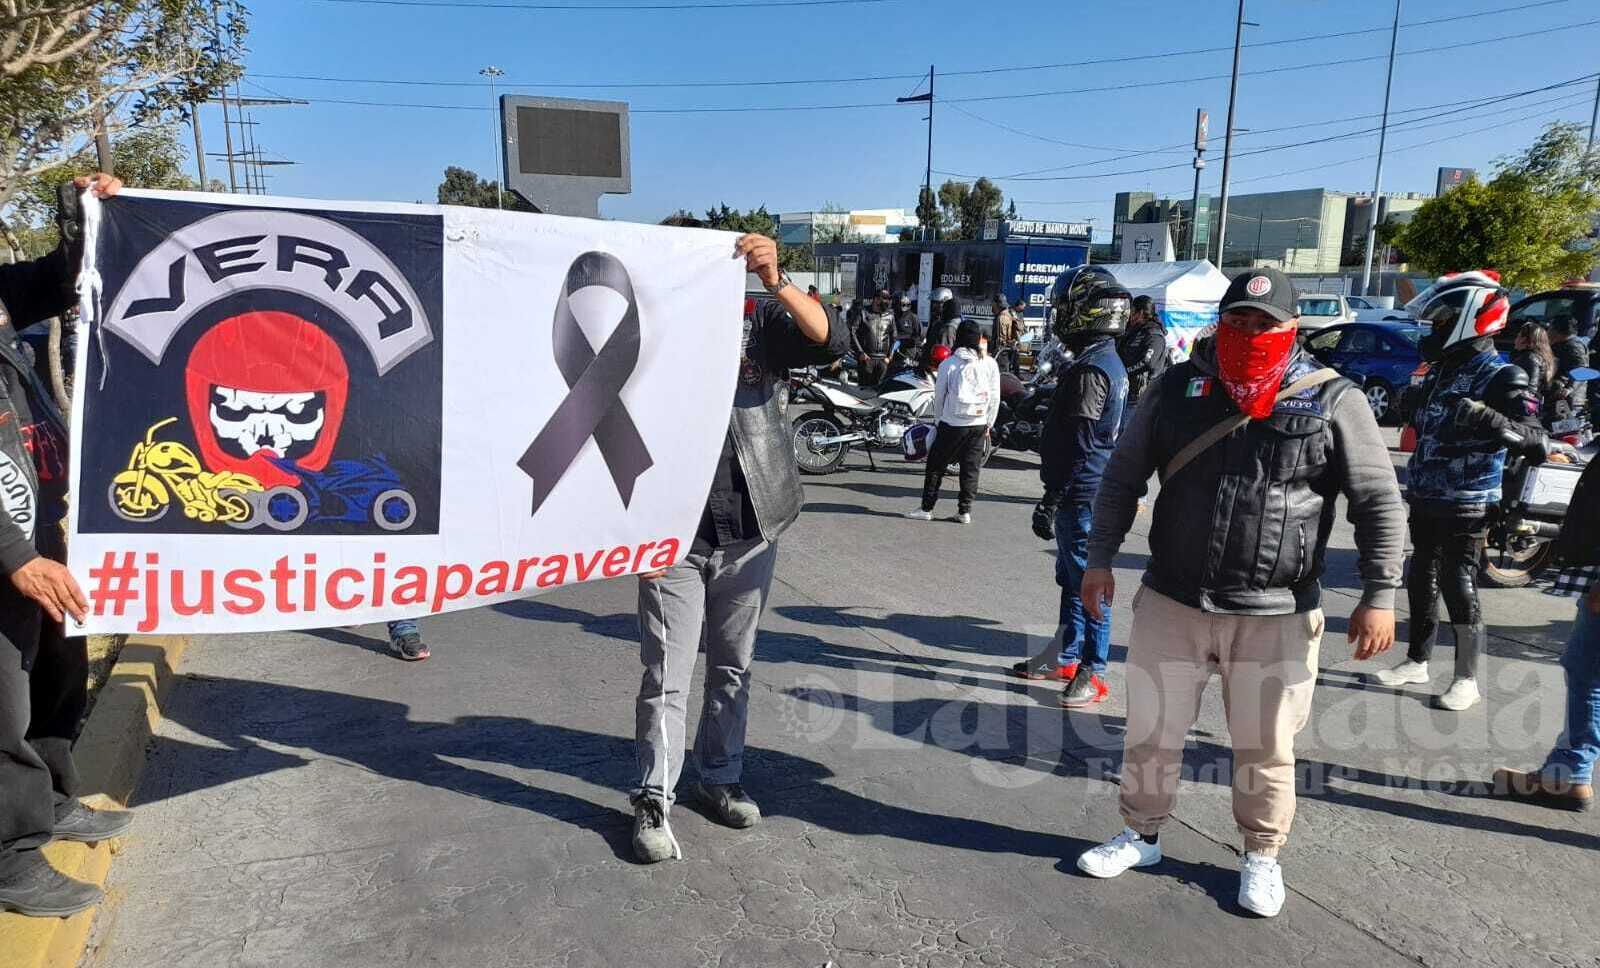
(1415, 123)
(876, 77)
(1271, 70)
(587, 8)
(1346, 161)
(1184, 147)
(963, 100)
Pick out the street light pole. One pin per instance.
(492, 72)
(1201, 122)
(1377, 178)
(927, 178)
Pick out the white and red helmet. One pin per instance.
(1463, 306)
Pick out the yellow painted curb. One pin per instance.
(109, 754)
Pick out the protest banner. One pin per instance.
(295, 414)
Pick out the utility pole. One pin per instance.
(102, 143)
(492, 72)
(1227, 143)
(1377, 178)
(1595, 114)
(1202, 121)
(199, 144)
(927, 179)
(227, 131)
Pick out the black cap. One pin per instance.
(1268, 290)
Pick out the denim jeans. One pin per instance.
(404, 626)
(1574, 757)
(1081, 637)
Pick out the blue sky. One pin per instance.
(874, 156)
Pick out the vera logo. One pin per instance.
(1258, 286)
(286, 375)
(16, 495)
(593, 406)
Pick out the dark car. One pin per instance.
(1581, 303)
(1381, 356)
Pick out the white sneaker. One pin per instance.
(1261, 885)
(964, 518)
(1462, 694)
(1406, 673)
(920, 515)
(1124, 851)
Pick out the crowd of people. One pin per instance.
(1252, 441)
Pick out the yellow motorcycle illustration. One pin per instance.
(159, 470)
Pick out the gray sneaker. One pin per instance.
(86, 826)
(30, 886)
(730, 803)
(651, 843)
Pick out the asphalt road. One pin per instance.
(310, 801)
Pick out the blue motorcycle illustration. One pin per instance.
(346, 490)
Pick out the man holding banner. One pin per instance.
(42, 671)
(721, 585)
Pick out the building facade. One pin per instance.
(860, 225)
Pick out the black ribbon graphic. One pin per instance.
(592, 407)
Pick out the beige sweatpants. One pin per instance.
(1268, 667)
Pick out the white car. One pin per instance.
(1321, 310)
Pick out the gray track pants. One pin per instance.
(720, 596)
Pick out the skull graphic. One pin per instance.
(266, 387)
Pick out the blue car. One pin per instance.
(1382, 356)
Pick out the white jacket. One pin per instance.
(966, 392)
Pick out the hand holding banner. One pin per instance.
(295, 414)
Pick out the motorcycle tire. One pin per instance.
(1513, 569)
(117, 508)
(813, 460)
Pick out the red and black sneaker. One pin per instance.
(1085, 689)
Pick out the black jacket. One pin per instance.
(1570, 355)
(29, 292)
(1143, 351)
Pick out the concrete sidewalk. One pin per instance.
(310, 801)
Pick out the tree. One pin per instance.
(928, 212)
(462, 186)
(1524, 222)
(964, 207)
(837, 228)
(145, 158)
(1011, 211)
(70, 67)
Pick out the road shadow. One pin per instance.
(619, 625)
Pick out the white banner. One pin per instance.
(294, 414)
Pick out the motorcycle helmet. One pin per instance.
(917, 441)
(938, 355)
(942, 295)
(1463, 307)
(1088, 301)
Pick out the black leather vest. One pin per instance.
(1243, 528)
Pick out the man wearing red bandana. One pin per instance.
(1233, 586)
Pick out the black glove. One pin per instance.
(1044, 515)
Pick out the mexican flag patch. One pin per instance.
(1200, 386)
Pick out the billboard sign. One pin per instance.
(562, 154)
(1451, 177)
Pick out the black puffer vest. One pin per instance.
(1243, 528)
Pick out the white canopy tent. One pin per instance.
(1186, 296)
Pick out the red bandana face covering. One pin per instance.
(1251, 367)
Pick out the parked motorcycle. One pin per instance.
(848, 416)
(1533, 503)
(1025, 405)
